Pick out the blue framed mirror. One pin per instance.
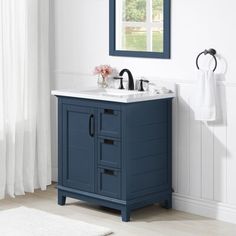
(139, 28)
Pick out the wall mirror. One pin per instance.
(140, 28)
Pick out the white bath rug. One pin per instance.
(24, 221)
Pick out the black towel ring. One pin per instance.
(212, 52)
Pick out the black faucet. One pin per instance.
(131, 79)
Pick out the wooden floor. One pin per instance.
(148, 221)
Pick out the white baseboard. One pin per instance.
(212, 209)
(54, 174)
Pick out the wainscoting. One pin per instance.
(204, 155)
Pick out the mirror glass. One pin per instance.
(140, 28)
(139, 25)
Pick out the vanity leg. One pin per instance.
(167, 203)
(125, 214)
(61, 198)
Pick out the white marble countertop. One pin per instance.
(112, 95)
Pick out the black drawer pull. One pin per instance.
(91, 125)
(109, 141)
(109, 172)
(109, 111)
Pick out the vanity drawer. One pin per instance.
(109, 121)
(109, 182)
(109, 152)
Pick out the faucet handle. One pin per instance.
(121, 81)
(141, 84)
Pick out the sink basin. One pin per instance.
(113, 92)
(112, 95)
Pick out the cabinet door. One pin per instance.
(78, 147)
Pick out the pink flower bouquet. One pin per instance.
(103, 70)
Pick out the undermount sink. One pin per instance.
(112, 95)
(113, 92)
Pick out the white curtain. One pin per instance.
(25, 155)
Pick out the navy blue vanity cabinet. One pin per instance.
(115, 154)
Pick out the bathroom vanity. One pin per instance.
(115, 150)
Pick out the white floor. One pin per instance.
(149, 221)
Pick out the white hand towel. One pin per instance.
(205, 107)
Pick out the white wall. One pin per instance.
(204, 156)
